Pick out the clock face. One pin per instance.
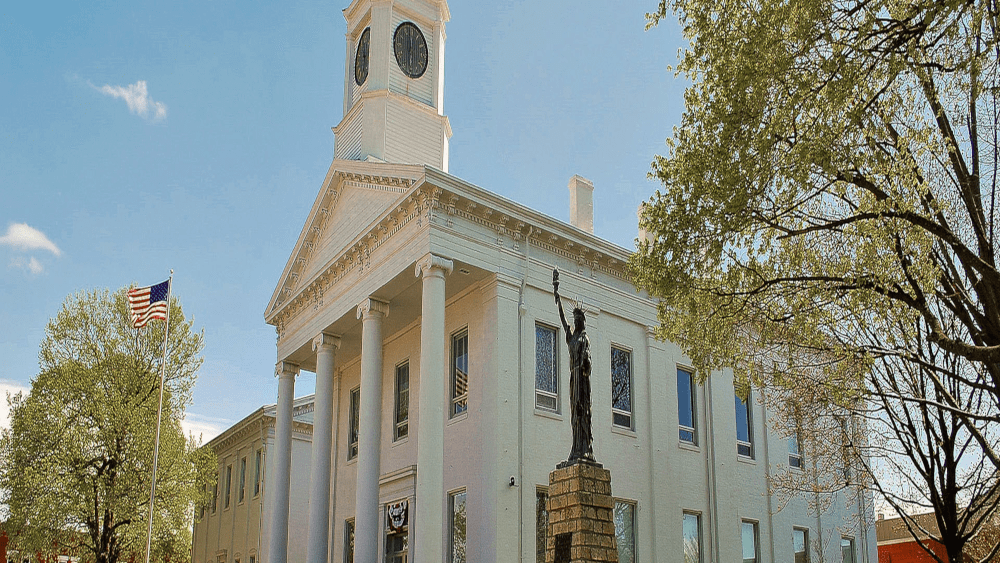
(411, 50)
(361, 57)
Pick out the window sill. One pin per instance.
(457, 418)
(624, 431)
(548, 414)
(401, 441)
(747, 460)
(352, 461)
(688, 446)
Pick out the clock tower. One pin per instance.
(394, 83)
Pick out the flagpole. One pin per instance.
(159, 414)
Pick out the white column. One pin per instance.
(366, 529)
(281, 483)
(427, 536)
(318, 548)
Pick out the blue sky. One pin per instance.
(144, 136)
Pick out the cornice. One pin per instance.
(441, 204)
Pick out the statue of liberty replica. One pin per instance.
(579, 380)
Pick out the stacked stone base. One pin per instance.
(581, 515)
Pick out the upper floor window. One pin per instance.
(546, 374)
(258, 460)
(243, 479)
(352, 451)
(794, 452)
(621, 387)
(685, 406)
(402, 408)
(460, 372)
(229, 485)
(744, 425)
(215, 497)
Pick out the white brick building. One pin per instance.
(424, 305)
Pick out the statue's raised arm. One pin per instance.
(555, 290)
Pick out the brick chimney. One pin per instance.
(581, 203)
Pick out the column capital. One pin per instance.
(325, 341)
(431, 262)
(285, 368)
(371, 306)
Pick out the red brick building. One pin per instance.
(897, 545)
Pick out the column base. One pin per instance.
(581, 514)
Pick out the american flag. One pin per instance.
(148, 303)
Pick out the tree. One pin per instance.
(827, 221)
(75, 465)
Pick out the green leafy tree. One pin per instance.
(826, 229)
(75, 465)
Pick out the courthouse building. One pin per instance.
(424, 305)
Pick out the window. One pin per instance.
(744, 426)
(215, 497)
(685, 406)
(546, 374)
(258, 459)
(457, 527)
(847, 549)
(201, 509)
(402, 412)
(397, 543)
(692, 538)
(624, 516)
(621, 387)
(749, 532)
(541, 523)
(253, 559)
(460, 372)
(352, 451)
(794, 453)
(243, 479)
(229, 484)
(349, 541)
(800, 544)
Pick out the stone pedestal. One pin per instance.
(581, 515)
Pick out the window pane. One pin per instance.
(541, 524)
(621, 387)
(800, 545)
(685, 405)
(459, 373)
(625, 531)
(355, 422)
(794, 454)
(749, 533)
(458, 528)
(402, 401)
(692, 538)
(545, 359)
(847, 549)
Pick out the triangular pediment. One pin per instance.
(354, 195)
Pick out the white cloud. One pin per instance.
(137, 98)
(13, 388)
(23, 237)
(204, 427)
(31, 265)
